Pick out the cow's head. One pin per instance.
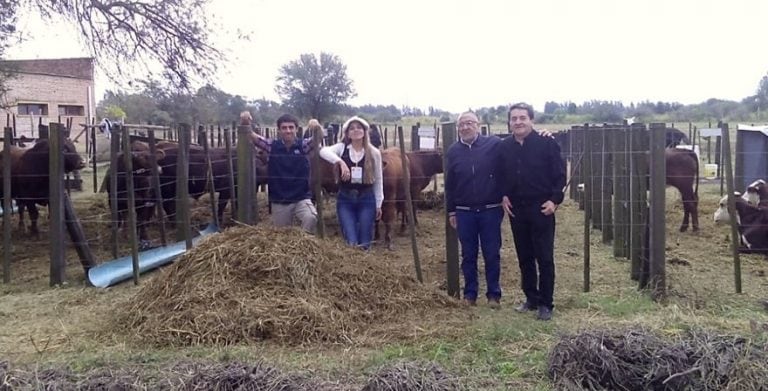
(142, 162)
(756, 192)
(721, 214)
(72, 160)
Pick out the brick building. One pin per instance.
(48, 89)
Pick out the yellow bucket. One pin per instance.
(710, 170)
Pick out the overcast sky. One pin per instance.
(457, 55)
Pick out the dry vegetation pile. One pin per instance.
(639, 360)
(254, 283)
(189, 375)
(408, 376)
(180, 376)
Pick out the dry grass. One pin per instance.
(487, 349)
(249, 284)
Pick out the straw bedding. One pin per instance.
(254, 283)
(639, 360)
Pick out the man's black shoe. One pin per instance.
(544, 313)
(525, 307)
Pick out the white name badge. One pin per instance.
(357, 175)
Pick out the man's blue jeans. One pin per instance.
(480, 230)
(357, 213)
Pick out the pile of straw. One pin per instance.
(639, 360)
(254, 283)
(407, 376)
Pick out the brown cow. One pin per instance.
(30, 178)
(16, 154)
(682, 174)
(198, 173)
(144, 195)
(423, 165)
(394, 194)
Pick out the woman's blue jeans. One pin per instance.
(357, 213)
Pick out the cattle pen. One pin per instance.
(74, 325)
(608, 162)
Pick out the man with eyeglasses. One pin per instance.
(473, 200)
(532, 174)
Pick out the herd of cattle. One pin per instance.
(29, 183)
(29, 179)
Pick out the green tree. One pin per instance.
(167, 39)
(315, 87)
(761, 98)
(114, 112)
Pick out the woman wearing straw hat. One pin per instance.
(361, 189)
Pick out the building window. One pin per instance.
(71, 110)
(33, 109)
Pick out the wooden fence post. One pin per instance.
(637, 196)
(130, 202)
(586, 170)
(619, 192)
(451, 237)
(183, 229)
(56, 197)
(230, 173)
(606, 175)
(735, 238)
(7, 206)
(245, 185)
(93, 161)
(114, 150)
(657, 243)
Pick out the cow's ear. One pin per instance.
(159, 154)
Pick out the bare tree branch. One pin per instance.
(167, 38)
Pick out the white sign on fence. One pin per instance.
(710, 132)
(426, 143)
(427, 131)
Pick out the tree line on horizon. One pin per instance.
(210, 105)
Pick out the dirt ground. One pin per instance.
(42, 325)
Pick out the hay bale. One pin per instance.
(412, 376)
(637, 359)
(248, 284)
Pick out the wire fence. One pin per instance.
(615, 175)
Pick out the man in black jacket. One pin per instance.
(532, 177)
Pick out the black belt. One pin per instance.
(478, 208)
(356, 192)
